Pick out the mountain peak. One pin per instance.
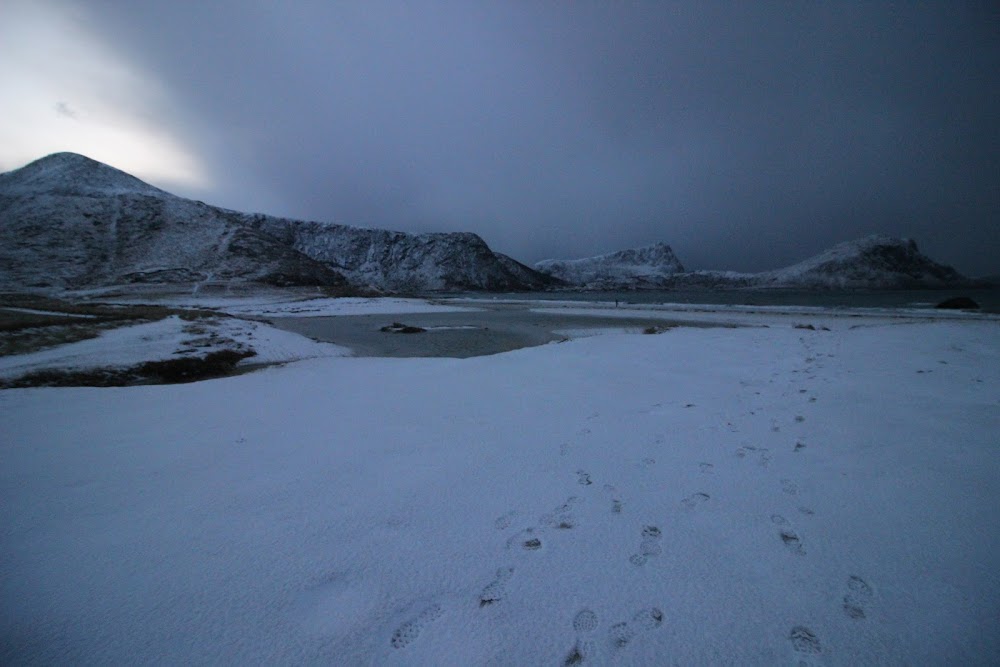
(648, 266)
(876, 261)
(73, 174)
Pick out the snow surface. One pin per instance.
(739, 496)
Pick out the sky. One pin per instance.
(748, 136)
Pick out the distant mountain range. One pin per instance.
(69, 222)
(874, 262)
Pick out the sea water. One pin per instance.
(987, 298)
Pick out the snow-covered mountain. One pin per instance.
(401, 262)
(880, 262)
(874, 262)
(67, 221)
(649, 267)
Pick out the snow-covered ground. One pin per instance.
(747, 496)
(167, 339)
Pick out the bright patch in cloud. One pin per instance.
(64, 90)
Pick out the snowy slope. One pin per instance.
(870, 262)
(68, 221)
(74, 175)
(648, 267)
(701, 497)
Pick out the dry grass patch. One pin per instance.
(171, 371)
(24, 329)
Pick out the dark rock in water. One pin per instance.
(397, 327)
(958, 303)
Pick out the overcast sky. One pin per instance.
(747, 135)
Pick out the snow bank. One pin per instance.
(170, 338)
(705, 496)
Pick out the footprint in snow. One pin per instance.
(759, 454)
(503, 522)
(649, 546)
(496, 589)
(694, 500)
(584, 625)
(616, 501)
(805, 645)
(644, 620)
(651, 531)
(585, 622)
(706, 467)
(789, 537)
(409, 631)
(859, 595)
(561, 517)
(528, 539)
(583, 478)
(789, 487)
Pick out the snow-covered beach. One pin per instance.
(749, 495)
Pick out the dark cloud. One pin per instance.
(747, 135)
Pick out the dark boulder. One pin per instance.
(958, 303)
(397, 327)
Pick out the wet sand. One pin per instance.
(460, 335)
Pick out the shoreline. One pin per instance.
(470, 334)
(59, 345)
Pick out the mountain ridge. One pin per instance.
(648, 266)
(871, 262)
(69, 222)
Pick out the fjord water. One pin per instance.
(988, 298)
